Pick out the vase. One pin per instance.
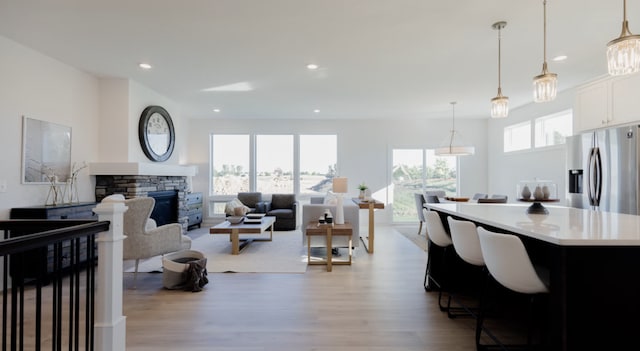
(54, 196)
(537, 193)
(545, 192)
(361, 195)
(526, 193)
(72, 187)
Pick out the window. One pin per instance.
(407, 178)
(274, 163)
(517, 137)
(318, 159)
(417, 170)
(229, 164)
(553, 129)
(442, 173)
(271, 164)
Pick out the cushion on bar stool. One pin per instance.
(438, 236)
(508, 262)
(465, 241)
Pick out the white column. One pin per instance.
(110, 324)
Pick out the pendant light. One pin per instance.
(454, 146)
(545, 85)
(623, 53)
(500, 103)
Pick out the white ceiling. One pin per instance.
(377, 58)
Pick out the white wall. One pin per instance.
(139, 98)
(114, 113)
(39, 87)
(102, 113)
(364, 148)
(505, 170)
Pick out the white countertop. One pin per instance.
(564, 226)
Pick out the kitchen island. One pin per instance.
(594, 262)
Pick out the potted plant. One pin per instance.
(362, 186)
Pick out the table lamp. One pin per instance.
(339, 188)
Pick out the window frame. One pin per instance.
(512, 127)
(568, 114)
(216, 197)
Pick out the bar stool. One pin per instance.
(438, 236)
(467, 245)
(509, 264)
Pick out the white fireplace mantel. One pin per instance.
(139, 168)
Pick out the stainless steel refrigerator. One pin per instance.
(603, 170)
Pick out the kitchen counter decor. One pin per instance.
(537, 192)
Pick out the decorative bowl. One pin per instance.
(235, 219)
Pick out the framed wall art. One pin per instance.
(46, 152)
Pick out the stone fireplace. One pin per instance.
(132, 180)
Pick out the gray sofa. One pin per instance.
(312, 211)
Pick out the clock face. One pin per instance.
(157, 125)
(156, 133)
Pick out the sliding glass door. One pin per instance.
(416, 171)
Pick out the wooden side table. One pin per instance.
(328, 230)
(371, 205)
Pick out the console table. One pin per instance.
(44, 260)
(372, 205)
(82, 210)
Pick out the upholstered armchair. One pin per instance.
(144, 239)
(285, 208)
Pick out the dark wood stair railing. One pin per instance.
(51, 309)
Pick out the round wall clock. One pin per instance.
(156, 133)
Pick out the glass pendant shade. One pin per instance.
(623, 53)
(545, 85)
(499, 106)
(454, 145)
(623, 56)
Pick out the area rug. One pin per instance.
(411, 233)
(285, 254)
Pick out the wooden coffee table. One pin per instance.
(235, 230)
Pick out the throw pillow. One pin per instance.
(330, 198)
(231, 206)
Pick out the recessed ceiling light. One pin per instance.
(216, 110)
(316, 111)
(312, 66)
(144, 65)
(240, 86)
(560, 58)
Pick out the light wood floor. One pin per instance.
(378, 303)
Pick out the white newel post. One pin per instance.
(110, 324)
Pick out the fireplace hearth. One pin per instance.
(168, 191)
(166, 207)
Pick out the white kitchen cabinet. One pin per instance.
(607, 102)
(625, 98)
(592, 109)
